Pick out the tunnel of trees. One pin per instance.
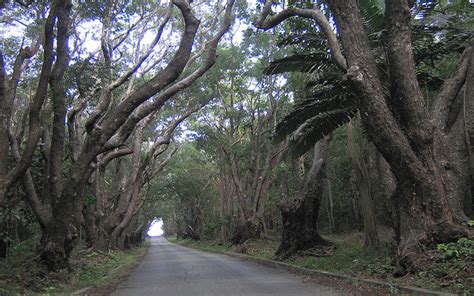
(235, 120)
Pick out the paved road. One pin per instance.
(174, 270)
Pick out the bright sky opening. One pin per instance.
(156, 228)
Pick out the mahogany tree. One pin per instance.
(411, 138)
(300, 214)
(101, 119)
(115, 207)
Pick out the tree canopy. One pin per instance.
(235, 120)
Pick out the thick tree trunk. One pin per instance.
(453, 158)
(384, 188)
(405, 138)
(250, 229)
(58, 233)
(56, 244)
(300, 215)
(468, 115)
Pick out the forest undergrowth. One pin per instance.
(22, 273)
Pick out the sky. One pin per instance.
(156, 228)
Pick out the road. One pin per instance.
(170, 269)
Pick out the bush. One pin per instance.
(462, 249)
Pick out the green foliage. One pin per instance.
(451, 264)
(373, 12)
(24, 275)
(339, 171)
(329, 106)
(99, 268)
(316, 128)
(462, 249)
(306, 63)
(349, 257)
(307, 123)
(25, 248)
(184, 196)
(326, 101)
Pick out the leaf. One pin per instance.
(373, 12)
(306, 63)
(316, 128)
(328, 98)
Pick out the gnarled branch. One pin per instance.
(265, 22)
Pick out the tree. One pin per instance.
(300, 214)
(186, 197)
(58, 206)
(398, 122)
(235, 131)
(113, 212)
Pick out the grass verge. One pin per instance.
(450, 268)
(22, 274)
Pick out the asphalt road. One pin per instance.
(170, 269)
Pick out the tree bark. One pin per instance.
(468, 115)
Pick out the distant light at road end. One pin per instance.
(156, 228)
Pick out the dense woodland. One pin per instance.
(234, 120)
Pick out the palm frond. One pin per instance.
(331, 99)
(373, 12)
(317, 127)
(304, 40)
(306, 63)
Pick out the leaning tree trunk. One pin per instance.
(300, 215)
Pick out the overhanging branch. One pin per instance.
(266, 22)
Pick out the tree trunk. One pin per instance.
(468, 115)
(247, 230)
(403, 135)
(354, 143)
(300, 215)
(56, 244)
(330, 207)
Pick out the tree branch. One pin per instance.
(405, 91)
(265, 22)
(164, 96)
(58, 97)
(450, 89)
(34, 125)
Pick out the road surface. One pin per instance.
(170, 269)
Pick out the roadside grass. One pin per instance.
(450, 268)
(347, 257)
(23, 274)
(257, 248)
